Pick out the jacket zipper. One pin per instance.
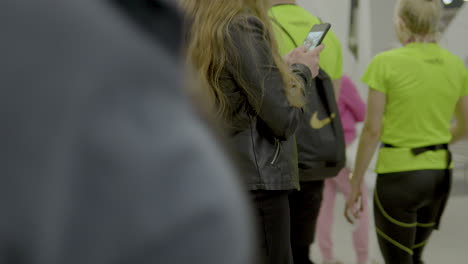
(278, 149)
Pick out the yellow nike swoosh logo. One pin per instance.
(316, 123)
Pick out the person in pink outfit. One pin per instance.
(352, 110)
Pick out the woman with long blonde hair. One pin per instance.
(414, 93)
(258, 97)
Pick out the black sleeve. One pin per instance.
(258, 69)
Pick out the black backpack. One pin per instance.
(320, 139)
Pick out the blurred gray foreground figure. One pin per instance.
(102, 160)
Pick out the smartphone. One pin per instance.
(316, 35)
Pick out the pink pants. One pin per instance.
(325, 220)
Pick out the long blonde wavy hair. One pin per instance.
(209, 42)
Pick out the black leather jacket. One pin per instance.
(262, 138)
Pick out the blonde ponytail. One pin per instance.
(418, 19)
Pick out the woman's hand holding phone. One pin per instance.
(310, 58)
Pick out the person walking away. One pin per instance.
(414, 93)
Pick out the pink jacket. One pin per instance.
(352, 108)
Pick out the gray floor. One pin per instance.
(448, 246)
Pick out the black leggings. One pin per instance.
(407, 208)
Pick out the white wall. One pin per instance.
(334, 11)
(337, 12)
(455, 38)
(383, 33)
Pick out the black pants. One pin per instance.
(305, 207)
(272, 211)
(407, 208)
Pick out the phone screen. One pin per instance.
(316, 35)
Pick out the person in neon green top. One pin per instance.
(297, 22)
(291, 24)
(414, 93)
(423, 82)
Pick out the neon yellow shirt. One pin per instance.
(298, 22)
(422, 83)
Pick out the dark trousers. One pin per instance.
(273, 225)
(407, 208)
(305, 208)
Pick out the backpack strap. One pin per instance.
(284, 30)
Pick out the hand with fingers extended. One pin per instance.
(302, 55)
